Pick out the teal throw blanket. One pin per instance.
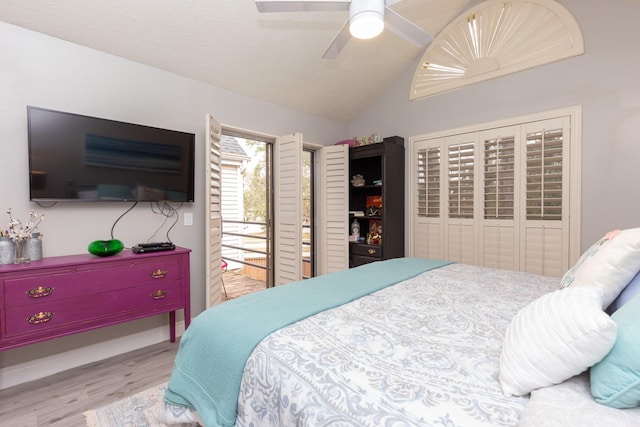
(214, 349)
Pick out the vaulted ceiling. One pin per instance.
(276, 57)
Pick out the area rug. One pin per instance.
(144, 409)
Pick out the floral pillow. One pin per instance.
(570, 275)
(608, 265)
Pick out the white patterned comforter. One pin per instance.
(570, 404)
(423, 352)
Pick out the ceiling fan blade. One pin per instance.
(405, 28)
(265, 6)
(338, 42)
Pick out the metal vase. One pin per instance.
(7, 250)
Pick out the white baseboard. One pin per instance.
(47, 366)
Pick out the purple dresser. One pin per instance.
(64, 295)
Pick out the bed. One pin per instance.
(421, 343)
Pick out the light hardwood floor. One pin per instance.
(61, 399)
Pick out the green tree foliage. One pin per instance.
(255, 182)
(306, 187)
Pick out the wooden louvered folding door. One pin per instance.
(428, 241)
(500, 174)
(460, 209)
(499, 197)
(288, 210)
(214, 212)
(334, 203)
(545, 193)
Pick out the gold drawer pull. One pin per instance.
(371, 251)
(159, 294)
(159, 274)
(39, 292)
(42, 317)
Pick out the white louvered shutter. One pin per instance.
(505, 195)
(428, 218)
(288, 208)
(500, 173)
(214, 211)
(334, 208)
(460, 231)
(545, 231)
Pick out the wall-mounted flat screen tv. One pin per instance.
(75, 157)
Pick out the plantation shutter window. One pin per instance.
(544, 175)
(502, 195)
(428, 179)
(460, 180)
(499, 178)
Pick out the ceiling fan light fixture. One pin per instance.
(366, 18)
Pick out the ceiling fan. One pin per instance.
(367, 19)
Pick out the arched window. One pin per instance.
(493, 39)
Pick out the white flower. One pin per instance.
(20, 232)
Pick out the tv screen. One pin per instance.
(75, 157)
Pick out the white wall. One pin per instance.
(43, 71)
(605, 81)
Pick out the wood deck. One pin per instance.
(237, 285)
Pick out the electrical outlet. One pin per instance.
(188, 218)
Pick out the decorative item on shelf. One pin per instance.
(374, 236)
(374, 138)
(355, 231)
(20, 233)
(377, 182)
(348, 142)
(357, 181)
(374, 239)
(105, 247)
(374, 205)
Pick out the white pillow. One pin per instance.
(554, 338)
(608, 265)
(570, 275)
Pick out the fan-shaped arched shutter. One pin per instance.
(496, 38)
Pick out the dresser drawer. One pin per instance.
(373, 251)
(45, 316)
(63, 284)
(357, 260)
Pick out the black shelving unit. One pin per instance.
(382, 167)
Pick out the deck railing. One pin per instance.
(256, 257)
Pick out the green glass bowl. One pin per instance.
(105, 247)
